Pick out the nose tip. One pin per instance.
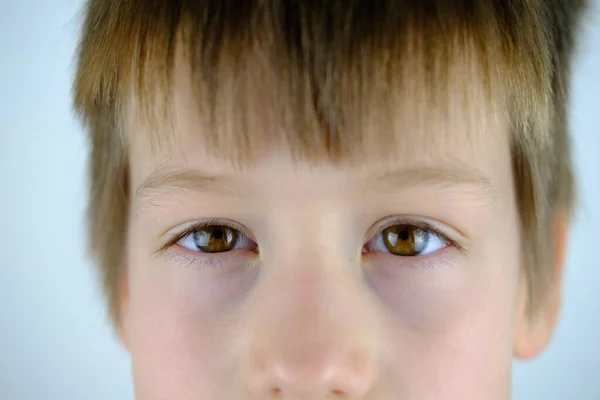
(310, 374)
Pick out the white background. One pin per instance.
(54, 339)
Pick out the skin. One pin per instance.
(309, 314)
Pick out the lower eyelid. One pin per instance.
(446, 256)
(186, 257)
(201, 260)
(180, 255)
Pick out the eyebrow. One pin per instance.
(435, 175)
(168, 179)
(447, 176)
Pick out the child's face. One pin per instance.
(311, 296)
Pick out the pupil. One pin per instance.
(403, 235)
(218, 234)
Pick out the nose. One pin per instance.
(310, 345)
(310, 373)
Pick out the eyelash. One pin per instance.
(421, 224)
(175, 238)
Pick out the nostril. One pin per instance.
(309, 374)
(276, 393)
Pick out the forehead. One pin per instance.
(458, 136)
(242, 127)
(325, 86)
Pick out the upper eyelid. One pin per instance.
(461, 243)
(190, 227)
(375, 229)
(175, 235)
(420, 222)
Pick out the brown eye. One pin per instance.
(405, 240)
(215, 239)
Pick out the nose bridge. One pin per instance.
(311, 301)
(314, 235)
(312, 331)
(310, 279)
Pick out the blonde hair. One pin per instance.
(333, 68)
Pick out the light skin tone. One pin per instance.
(315, 298)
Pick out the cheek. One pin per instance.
(469, 358)
(455, 342)
(167, 343)
(422, 299)
(178, 326)
(451, 327)
(173, 356)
